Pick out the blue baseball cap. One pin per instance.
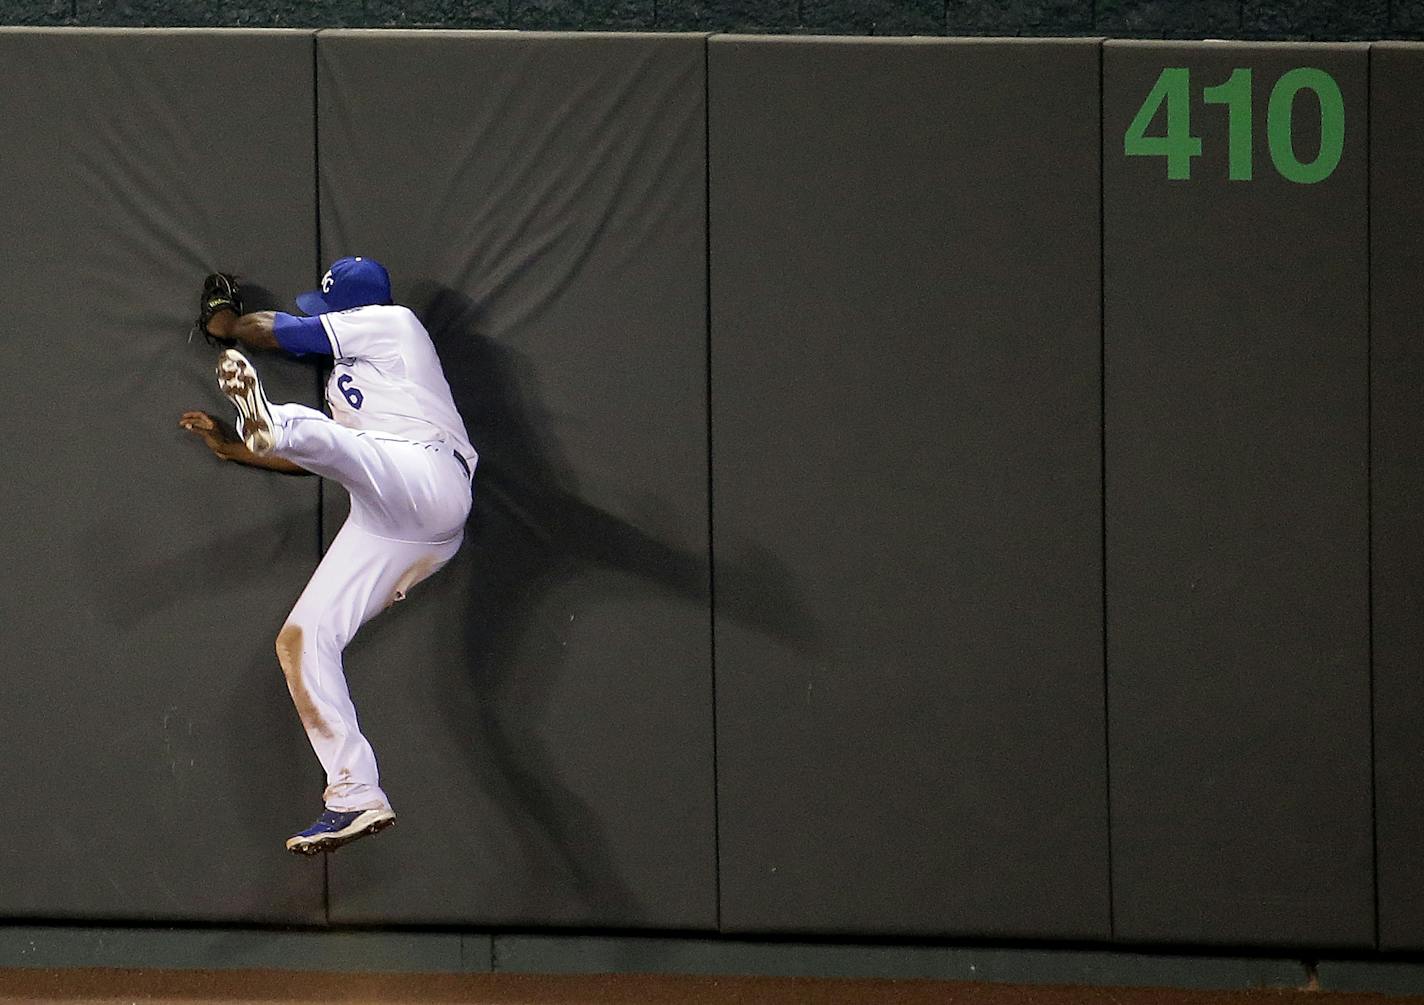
(350, 282)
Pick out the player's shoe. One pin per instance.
(238, 380)
(335, 829)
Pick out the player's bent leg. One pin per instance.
(310, 655)
(356, 806)
(367, 465)
(360, 576)
(300, 434)
(400, 489)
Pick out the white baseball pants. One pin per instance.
(409, 503)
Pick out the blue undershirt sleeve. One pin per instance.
(301, 336)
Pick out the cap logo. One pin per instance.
(326, 282)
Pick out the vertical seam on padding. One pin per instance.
(711, 546)
(1103, 462)
(1370, 479)
(317, 377)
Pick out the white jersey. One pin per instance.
(387, 377)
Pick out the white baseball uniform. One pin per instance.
(397, 444)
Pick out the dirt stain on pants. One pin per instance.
(416, 574)
(289, 654)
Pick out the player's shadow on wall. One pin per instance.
(529, 533)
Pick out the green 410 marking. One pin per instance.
(1179, 146)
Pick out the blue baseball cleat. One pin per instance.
(335, 829)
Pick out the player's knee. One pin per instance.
(308, 632)
(290, 641)
(289, 649)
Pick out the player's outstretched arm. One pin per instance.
(223, 441)
(253, 330)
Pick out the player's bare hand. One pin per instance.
(219, 436)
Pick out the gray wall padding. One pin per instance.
(914, 734)
(1397, 353)
(1237, 581)
(906, 445)
(542, 708)
(152, 764)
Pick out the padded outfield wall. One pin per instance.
(931, 487)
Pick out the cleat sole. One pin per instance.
(331, 842)
(237, 380)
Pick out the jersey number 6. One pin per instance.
(353, 395)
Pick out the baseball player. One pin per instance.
(396, 443)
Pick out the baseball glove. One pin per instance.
(220, 291)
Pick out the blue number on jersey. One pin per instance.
(353, 395)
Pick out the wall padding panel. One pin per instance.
(542, 708)
(153, 763)
(906, 447)
(1236, 431)
(1397, 369)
